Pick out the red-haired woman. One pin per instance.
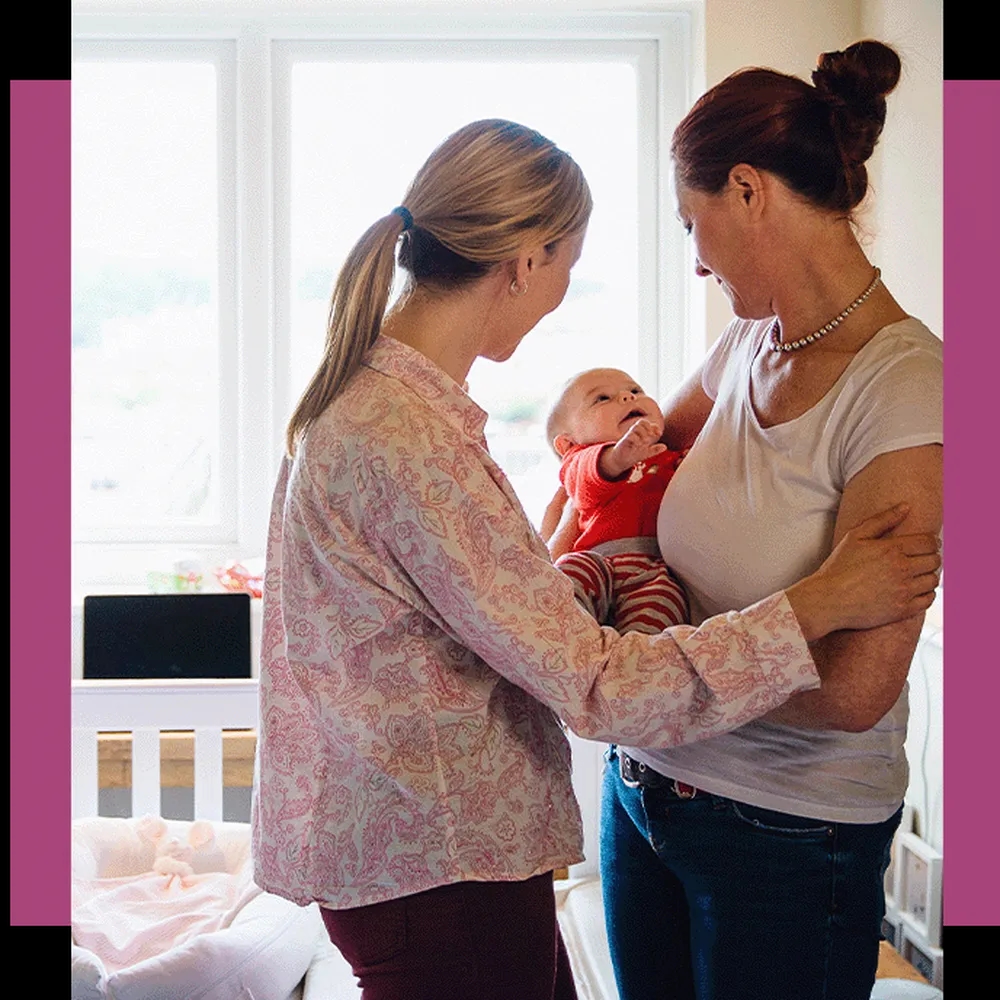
(750, 865)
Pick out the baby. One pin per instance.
(607, 432)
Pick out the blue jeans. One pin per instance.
(710, 899)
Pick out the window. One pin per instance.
(153, 305)
(337, 186)
(222, 168)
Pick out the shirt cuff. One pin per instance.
(776, 662)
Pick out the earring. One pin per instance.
(518, 289)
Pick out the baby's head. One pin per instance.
(598, 405)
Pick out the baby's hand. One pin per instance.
(638, 444)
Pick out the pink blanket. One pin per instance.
(127, 920)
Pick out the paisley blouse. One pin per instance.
(420, 655)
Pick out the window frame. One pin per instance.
(221, 53)
(254, 340)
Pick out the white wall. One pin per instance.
(906, 174)
(925, 737)
(907, 217)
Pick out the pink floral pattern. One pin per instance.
(419, 651)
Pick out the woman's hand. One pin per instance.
(869, 580)
(553, 515)
(560, 525)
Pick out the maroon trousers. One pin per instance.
(467, 941)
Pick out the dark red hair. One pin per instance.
(815, 138)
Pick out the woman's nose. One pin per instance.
(700, 269)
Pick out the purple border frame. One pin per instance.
(40, 594)
(972, 368)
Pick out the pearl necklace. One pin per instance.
(794, 345)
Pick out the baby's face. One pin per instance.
(605, 403)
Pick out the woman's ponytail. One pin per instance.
(490, 189)
(360, 298)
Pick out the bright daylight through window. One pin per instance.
(220, 177)
(351, 160)
(145, 296)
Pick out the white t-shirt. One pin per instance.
(751, 510)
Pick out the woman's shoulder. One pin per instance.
(731, 352)
(893, 389)
(908, 336)
(904, 355)
(892, 398)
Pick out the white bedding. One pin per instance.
(136, 918)
(166, 910)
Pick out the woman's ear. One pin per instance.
(517, 270)
(748, 184)
(527, 261)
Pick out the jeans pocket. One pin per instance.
(781, 824)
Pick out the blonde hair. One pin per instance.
(488, 191)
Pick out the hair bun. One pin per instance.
(864, 72)
(855, 83)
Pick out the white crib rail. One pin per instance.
(146, 708)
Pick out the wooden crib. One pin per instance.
(146, 710)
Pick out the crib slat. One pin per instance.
(144, 708)
(208, 780)
(145, 772)
(85, 778)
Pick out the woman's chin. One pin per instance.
(502, 352)
(742, 311)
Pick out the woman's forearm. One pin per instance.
(685, 413)
(862, 675)
(863, 671)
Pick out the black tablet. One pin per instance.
(160, 636)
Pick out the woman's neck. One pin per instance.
(447, 327)
(824, 272)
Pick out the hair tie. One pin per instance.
(404, 214)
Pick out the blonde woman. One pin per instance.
(419, 649)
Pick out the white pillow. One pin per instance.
(904, 989)
(330, 976)
(90, 981)
(264, 953)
